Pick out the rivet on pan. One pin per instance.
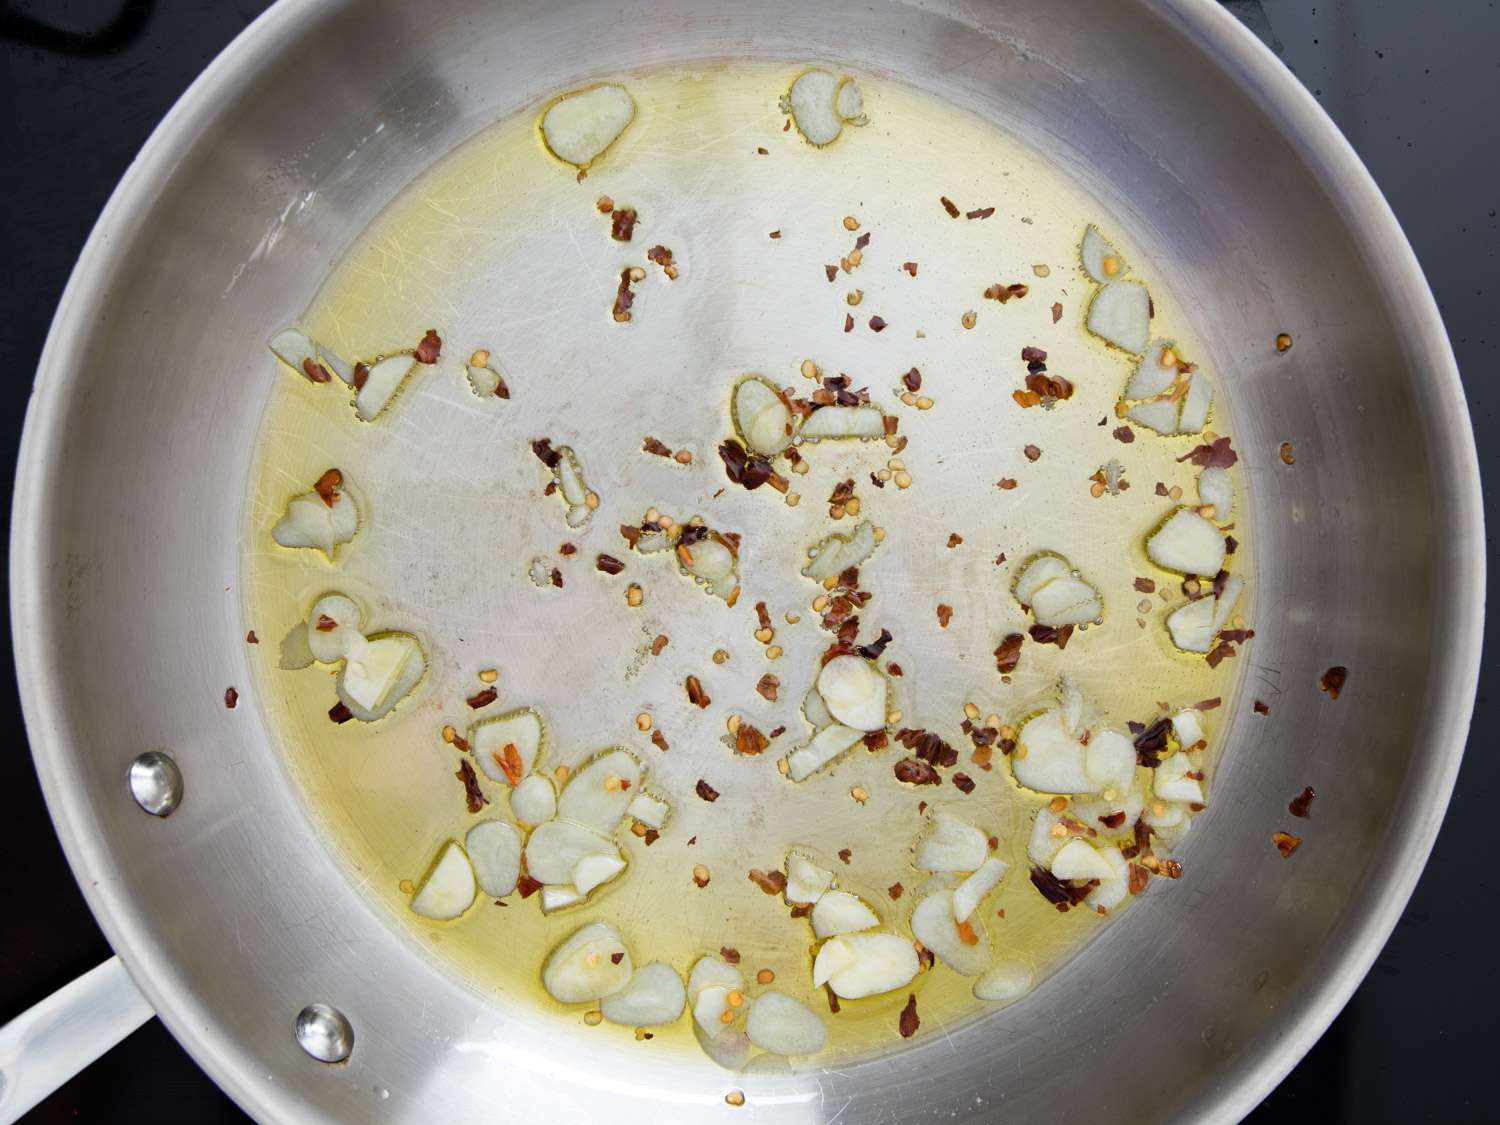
(156, 783)
(325, 1033)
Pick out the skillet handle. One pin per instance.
(51, 1041)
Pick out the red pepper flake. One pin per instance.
(327, 487)
(231, 698)
(659, 448)
(876, 740)
(1057, 311)
(325, 624)
(1050, 635)
(1145, 585)
(1059, 894)
(567, 550)
(979, 213)
(848, 322)
(1114, 819)
(609, 564)
(695, 693)
(762, 151)
(1261, 708)
(877, 324)
(894, 669)
(527, 886)
(944, 615)
(622, 224)
(473, 795)
(1138, 878)
(1033, 452)
(508, 758)
(659, 740)
(1006, 293)
(662, 256)
(730, 955)
(749, 740)
(1213, 455)
(910, 267)
(706, 791)
(1231, 544)
(1209, 704)
(616, 958)
(548, 456)
(659, 643)
(1123, 434)
(651, 836)
(895, 890)
(748, 470)
(557, 578)
(340, 713)
(1006, 484)
(251, 638)
(777, 234)
(315, 371)
(912, 380)
(1332, 681)
(963, 783)
(1301, 804)
(1161, 489)
(845, 855)
(362, 376)
(1151, 741)
(624, 298)
(914, 771)
(430, 347)
(954, 539)
(910, 1021)
(1286, 843)
(771, 882)
(949, 206)
(832, 272)
(767, 687)
(483, 698)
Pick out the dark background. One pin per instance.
(1414, 86)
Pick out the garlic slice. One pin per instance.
(1191, 625)
(854, 691)
(378, 673)
(806, 882)
(653, 997)
(951, 844)
(860, 965)
(730, 1047)
(483, 381)
(1109, 760)
(713, 972)
(933, 924)
(521, 729)
(1112, 891)
(1187, 725)
(970, 893)
(448, 890)
(599, 792)
(595, 870)
(710, 1006)
(1066, 601)
(330, 645)
(1004, 982)
(559, 896)
(1120, 314)
(839, 912)
(1048, 757)
(836, 553)
(294, 348)
(761, 418)
(384, 381)
(579, 127)
(1152, 376)
(534, 800)
(850, 103)
(784, 1026)
(815, 711)
(572, 488)
(1224, 604)
(825, 746)
(1196, 404)
(1171, 782)
(296, 651)
(813, 102)
(1101, 261)
(839, 422)
(1047, 837)
(590, 964)
(310, 522)
(1187, 543)
(1159, 415)
(648, 810)
(1036, 572)
(1078, 860)
(554, 849)
(1217, 489)
(494, 849)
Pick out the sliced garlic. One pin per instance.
(1188, 544)
(1066, 601)
(951, 844)
(560, 896)
(294, 348)
(1187, 725)
(1224, 604)
(815, 711)
(311, 523)
(784, 1026)
(839, 912)
(522, 729)
(572, 488)
(1124, 805)
(1151, 376)
(579, 127)
(854, 691)
(296, 650)
(1171, 782)
(837, 422)
(1004, 982)
(813, 101)
(1053, 760)
(1159, 415)
(970, 893)
(1047, 837)
(850, 103)
(860, 965)
(1036, 572)
(554, 849)
(761, 417)
(599, 792)
(593, 871)
(1168, 818)
(540, 573)
(534, 800)
(448, 890)
(1109, 760)
(714, 564)
(1196, 404)
(730, 1047)
(648, 810)
(805, 880)
(379, 673)
(1191, 625)
(824, 747)
(710, 1006)
(590, 964)
(483, 381)
(1120, 314)
(933, 924)
(494, 849)
(384, 381)
(837, 553)
(329, 646)
(714, 972)
(653, 997)
(1095, 250)
(1078, 860)
(1217, 489)
(1112, 891)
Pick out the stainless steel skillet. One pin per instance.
(1230, 158)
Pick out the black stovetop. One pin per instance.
(1413, 87)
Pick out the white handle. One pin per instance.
(52, 1041)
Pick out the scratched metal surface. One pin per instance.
(1229, 982)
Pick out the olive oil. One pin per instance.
(501, 247)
